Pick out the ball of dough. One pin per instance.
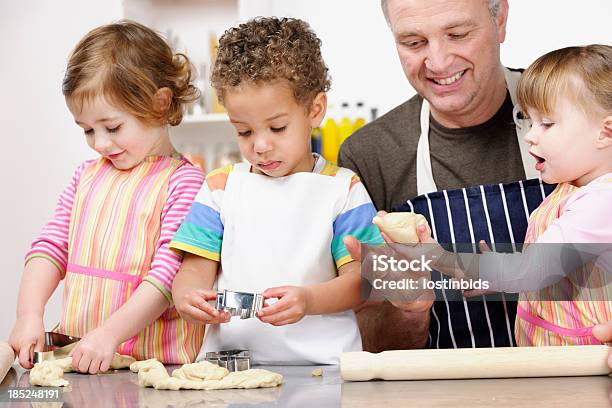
(401, 227)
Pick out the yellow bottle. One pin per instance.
(345, 128)
(214, 45)
(330, 140)
(360, 120)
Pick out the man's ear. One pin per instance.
(318, 109)
(501, 19)
(162, 100)
(604, 139)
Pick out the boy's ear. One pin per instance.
(318, 109)
(162, 99)
(604, 139)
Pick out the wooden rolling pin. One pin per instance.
(501, 362)
(7, 358)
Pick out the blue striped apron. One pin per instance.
(497, 214)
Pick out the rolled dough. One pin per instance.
(7, 358)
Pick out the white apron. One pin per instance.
(425, 180)
(278, 231)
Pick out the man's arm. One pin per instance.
(386, 327)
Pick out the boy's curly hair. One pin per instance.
(268, 49)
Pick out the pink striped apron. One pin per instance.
(555, 323)
(114, 228)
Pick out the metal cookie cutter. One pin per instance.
(241, 304)
(233, 360)
(57, 346)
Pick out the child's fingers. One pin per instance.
(285, 322)
(83, 364)
(603, 332)
(25, 351)
(277, 307)
(381, 213)
(76, 355)
(224, 317)
(198, 315)
(94, 366)
(276, 319)
(206, 294)
(203, 305)
(424, 235)
(25, 355)
(483, 246)
(105, 365)
(277, 292)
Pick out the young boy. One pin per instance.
(275, 224)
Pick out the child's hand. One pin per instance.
(290, 308)
(94, 352)
(27, 336)
(479, 292)
(193, 306)
(603, 333)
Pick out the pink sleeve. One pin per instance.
(586, 218)
(52, 242)
(182, 189)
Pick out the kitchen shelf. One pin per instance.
(206, 118)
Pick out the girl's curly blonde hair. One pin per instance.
(270, 49)
(127, 63)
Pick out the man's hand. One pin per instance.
(420, 302)
(386, 326)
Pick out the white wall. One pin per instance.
(43, 146)
(360, 52)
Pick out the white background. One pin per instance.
(42, 145)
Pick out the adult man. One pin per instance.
(458, 131)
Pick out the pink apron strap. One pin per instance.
(563, 331)
(102, 273)
(128, 346)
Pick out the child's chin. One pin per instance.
(548, 179)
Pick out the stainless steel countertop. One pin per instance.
(300, 388)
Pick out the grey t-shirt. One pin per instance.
(383, 153)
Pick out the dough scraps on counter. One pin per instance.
(50, 373)
(202, 376)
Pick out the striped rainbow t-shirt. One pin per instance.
(202, 231)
